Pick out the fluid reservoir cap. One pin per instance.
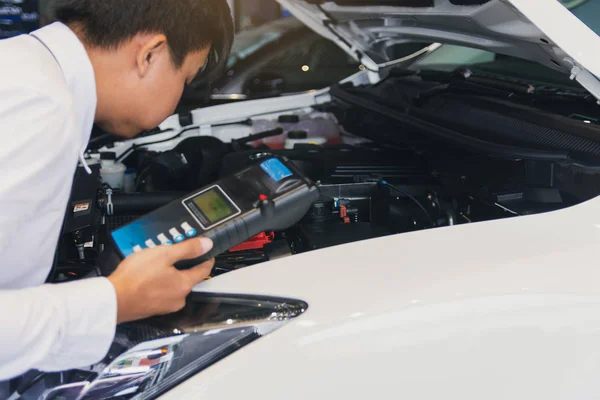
(298, 135)
(109, 155)
(289, 119)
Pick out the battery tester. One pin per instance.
(268, 196)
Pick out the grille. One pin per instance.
(116, 222)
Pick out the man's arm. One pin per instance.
(71, 325)
(56, 327)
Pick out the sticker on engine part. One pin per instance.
(276, 170)
(81, 207)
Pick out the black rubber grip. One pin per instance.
(224, 238)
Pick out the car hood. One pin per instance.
(538, 30)
(501, 309)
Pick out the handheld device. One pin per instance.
(268, 196)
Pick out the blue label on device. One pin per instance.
(276, 170)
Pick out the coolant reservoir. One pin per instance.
(319, 129)
(301, 137)
(112, 172)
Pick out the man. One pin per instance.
(122, 64)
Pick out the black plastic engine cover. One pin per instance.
(342, 164)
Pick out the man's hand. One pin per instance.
(148, 284)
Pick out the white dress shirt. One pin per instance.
(47, 108)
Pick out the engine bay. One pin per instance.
(369, 188)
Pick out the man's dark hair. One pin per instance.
(189, 25)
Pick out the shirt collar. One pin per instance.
(78, 71)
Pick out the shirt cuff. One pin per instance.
(90, 323)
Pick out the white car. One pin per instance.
(454, 252)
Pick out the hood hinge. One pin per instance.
(331, 23)
(585, 78)
(359, 55)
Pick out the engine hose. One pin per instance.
(140, 203)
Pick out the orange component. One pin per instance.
(257, 242)
(344, 215)
(343, 212)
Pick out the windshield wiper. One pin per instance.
(467, 81)
(500, 85)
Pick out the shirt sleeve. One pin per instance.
(56, 327)
(38, 158)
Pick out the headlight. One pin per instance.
(153, 356)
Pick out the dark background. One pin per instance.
(16, 19)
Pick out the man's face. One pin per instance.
(147, 93)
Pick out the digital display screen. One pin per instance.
(214, 206)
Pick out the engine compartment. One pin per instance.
(370, 188)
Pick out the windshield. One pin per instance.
(588, 12)
(248, 42)
(451, 57)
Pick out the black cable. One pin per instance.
(136, 146)
(261, 135)
(125, 154)
(132, 203)
(99, 138)
(247, 121)
(191, 128)
(417, 202)
(156, 131)
(106, 136)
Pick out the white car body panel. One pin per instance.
(266, 109)
(564, 29)
(508, 309)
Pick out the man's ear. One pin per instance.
(148, 52)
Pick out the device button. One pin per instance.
(150, 243)
(164, 240)
(137, 249)
(178, 237)
(189, 231)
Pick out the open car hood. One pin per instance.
(545, 31)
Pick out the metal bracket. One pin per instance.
(322, 98)
(585, 78)
(110, 210)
